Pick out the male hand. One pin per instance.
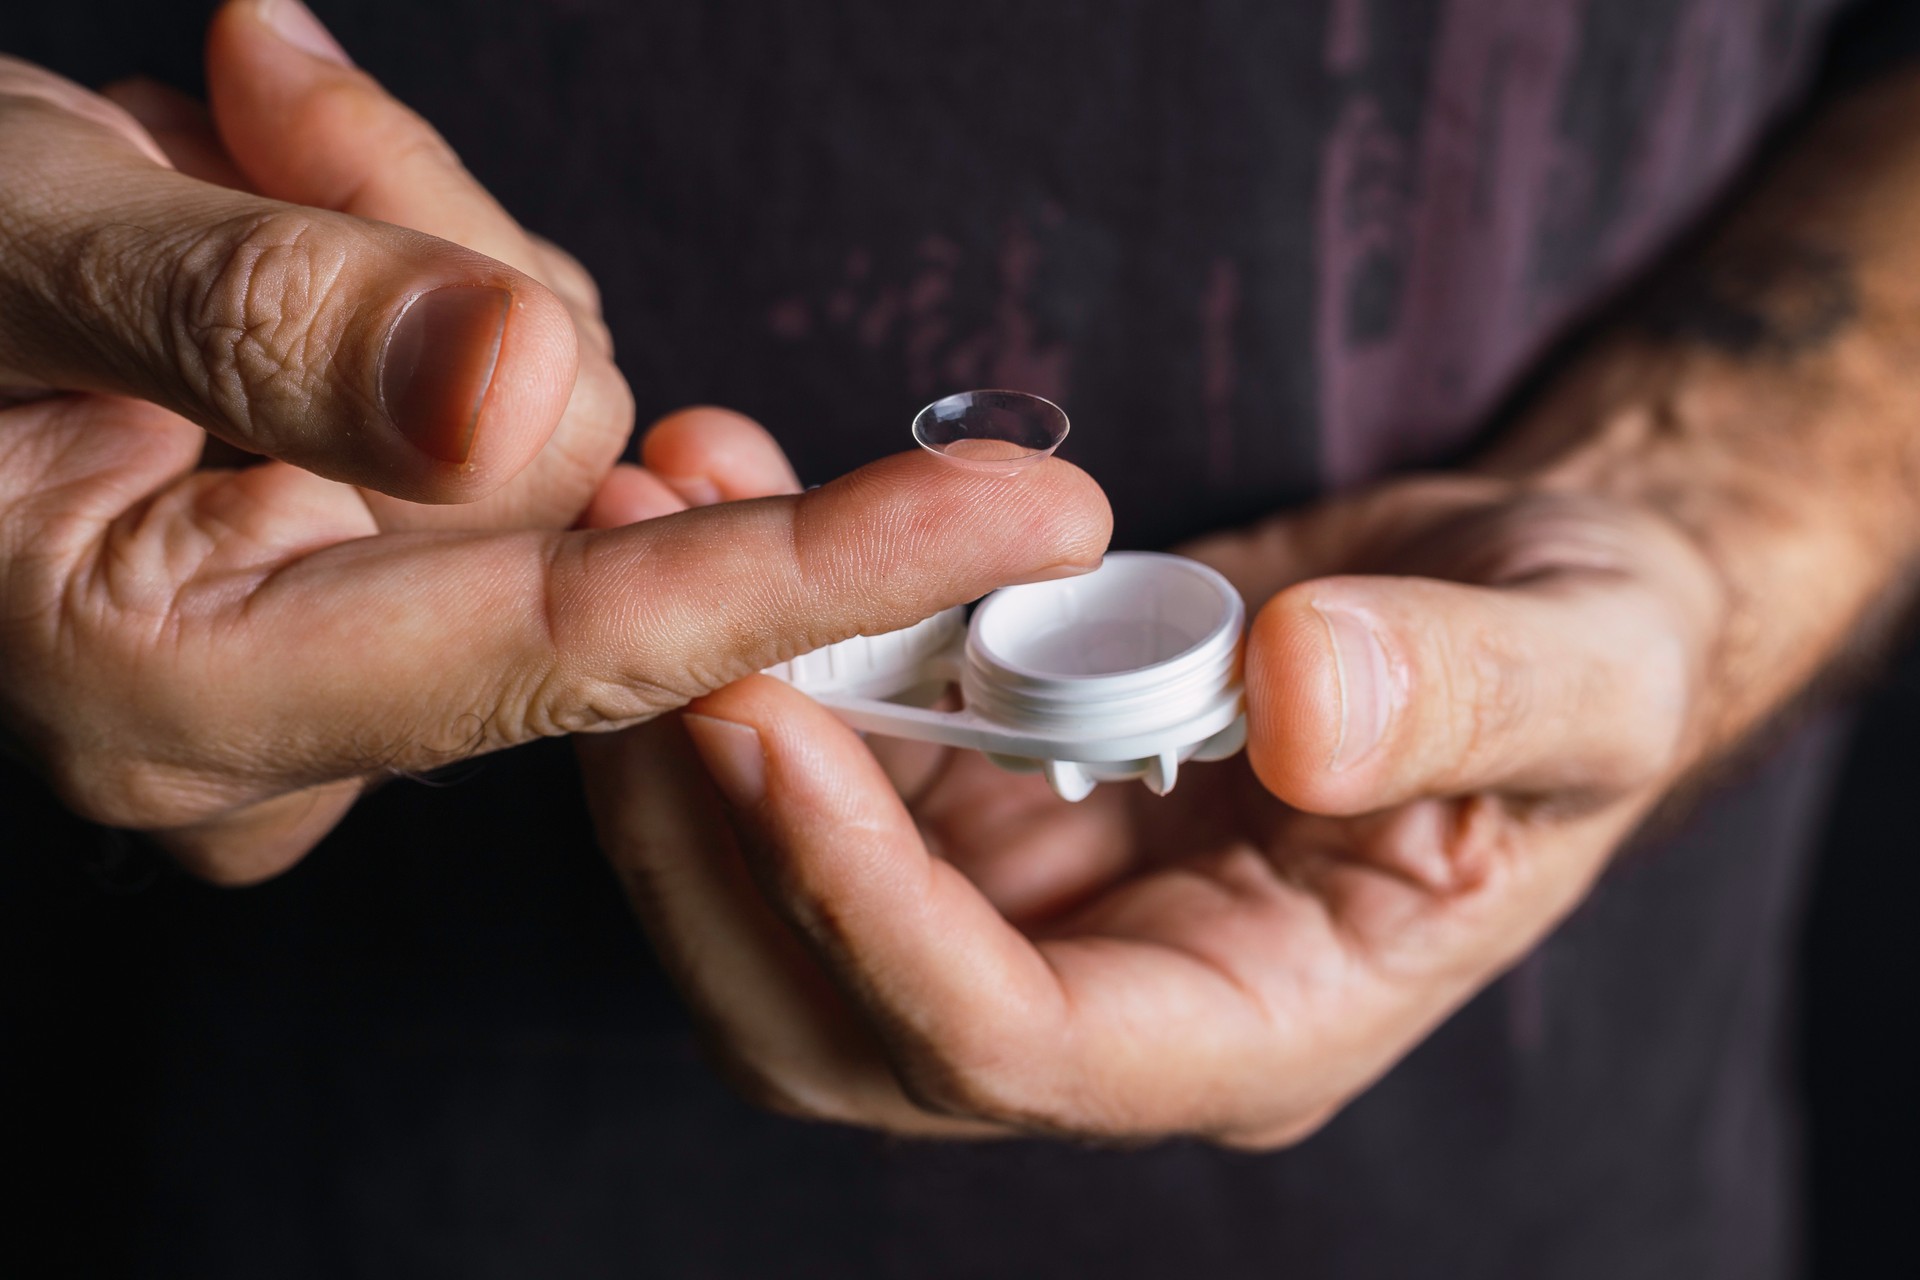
(306, 273)
(220, 656)
(1463, 693)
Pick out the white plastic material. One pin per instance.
(1125, 672)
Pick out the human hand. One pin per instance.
(1463, 693)
(307, 273)
(221, 656)
(1448, 738)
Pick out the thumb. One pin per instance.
(359, 351)
(1367, 692)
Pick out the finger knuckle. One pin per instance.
(1492, 698)
(562, 704)
(572, 686)
(248, 310)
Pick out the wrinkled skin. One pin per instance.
(912, 938)
(221, 650)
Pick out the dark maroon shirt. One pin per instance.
(1258, 250)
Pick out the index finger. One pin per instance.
(422, 649)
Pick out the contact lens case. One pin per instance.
(1125, 672)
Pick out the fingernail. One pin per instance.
(1055, 572)
(734, 756)
(295, 23)
(439, 363)
(697, 490)
(1368, 694)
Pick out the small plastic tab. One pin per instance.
(1068, 780)
(1162, 772)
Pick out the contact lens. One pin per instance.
(993, 431)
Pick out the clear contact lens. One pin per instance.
(993, 431)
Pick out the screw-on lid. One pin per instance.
(1125, 672)
(1142, 642)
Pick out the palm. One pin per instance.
(1220, 907)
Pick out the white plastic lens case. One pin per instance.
(1125, 672)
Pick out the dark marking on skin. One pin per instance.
(1774, 301)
